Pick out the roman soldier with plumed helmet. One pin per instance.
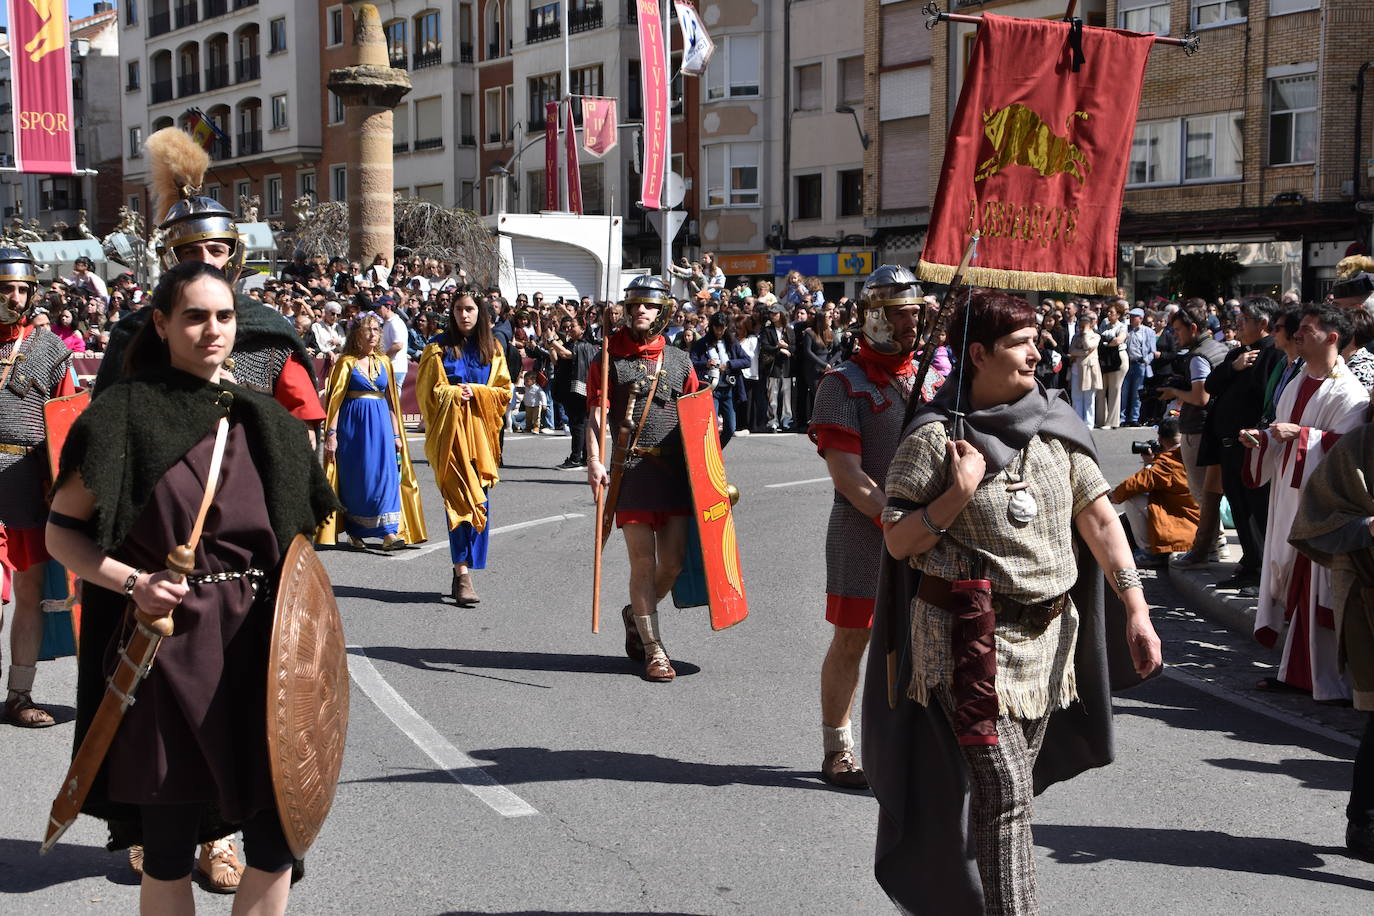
(648, 482)
(35, 367)
(856, 424)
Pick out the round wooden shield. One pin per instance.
(307, 696)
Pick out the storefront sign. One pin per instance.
(846, 263)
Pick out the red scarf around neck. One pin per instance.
(9, 332)
(624, 346)
(880, 367)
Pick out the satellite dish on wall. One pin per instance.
(674, 191)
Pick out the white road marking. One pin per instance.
(441, 542)
(1244, 702)
(796, 483)
(460, 767)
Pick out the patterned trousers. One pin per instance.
(1001, 795)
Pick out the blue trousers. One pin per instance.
(1130, 393)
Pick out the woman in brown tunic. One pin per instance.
(189, 762)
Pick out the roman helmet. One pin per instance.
(17, 267)
(1355, 280)
(887, 287)
(652, 291)
(177, 166)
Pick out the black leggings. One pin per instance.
(169, 841)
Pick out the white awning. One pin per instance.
(66, 251)
(257, 236)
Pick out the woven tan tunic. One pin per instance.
(1028, 562)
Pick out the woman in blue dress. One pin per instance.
(367, 460)
(463, 388)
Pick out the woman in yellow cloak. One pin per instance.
(366, 459)
(464, 388)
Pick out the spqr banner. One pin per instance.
(1036, 158)
(41, 73)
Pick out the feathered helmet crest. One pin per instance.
(178, 165)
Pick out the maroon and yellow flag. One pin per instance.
(1036, 158)
(41, 73)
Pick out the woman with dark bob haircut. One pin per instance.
(188, 763)
(993, 495)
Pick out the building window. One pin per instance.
(808, 196)
(509, 113)
(465, 189)
(1212, 146)
(276, 36)
(131, 18)
(585, 81)
(428, 47)
(429, 124)
(734, 68)
(433, 193)
(1293, 120)
(807, 87)
(135, 142)
(593, 175)
(134, 79)
(634, 107)
(335, 19)
(273, 202)
(1207, 13)
(213, 191)
(306, 182)
(1144, 16)
(338, 182)
(467, 135)
(543, 22)
(336, 109)
(279, 112)
(1154, 154)
(850, 192)
(543, 89)
(1281, 7)
(492, 115)
(395, 32)
(136, 203)
(732, 174)
(851, 86)
(242, 190)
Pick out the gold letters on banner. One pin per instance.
(1019, 136)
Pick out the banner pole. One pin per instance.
(667, 250)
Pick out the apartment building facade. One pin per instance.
(50, 199)
(1248, 147)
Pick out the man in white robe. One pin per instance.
(1315, 410)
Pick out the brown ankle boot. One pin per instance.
(634, 645)
(466, 595)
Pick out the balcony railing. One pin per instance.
(159, 24)
(246, 69)
(632, 12)
(244, 4)
(216, 77)
(216, 8)
(61, 202)
(537, 33)
(189, 14)
(584, 19)
(493, 50)
(424, 59)
(188, 84)
(219, 149)
(131, 87)
(250, 142)
(465, 52)
(399, 62)
(161, 91)
(468, 140)
(493, 136)
(537, 123)
(400, 146)
(432, 143)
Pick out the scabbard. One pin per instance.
(618, 456)
(131, 667)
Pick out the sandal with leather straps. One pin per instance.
(20, 710)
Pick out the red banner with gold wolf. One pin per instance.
(1036, 158)
(41, 73)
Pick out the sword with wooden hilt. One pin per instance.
(134, 662)
(893, 635)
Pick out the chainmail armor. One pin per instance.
(853, 543)
(259, 368)
(43, 360)
(653, 483)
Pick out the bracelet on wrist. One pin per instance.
(931, 526)
(132, 581)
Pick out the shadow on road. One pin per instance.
(387, 596)
(1333, 775)
(23, 871)
(1083, 845)
(443, 659)
(513, 766)
(562, 913)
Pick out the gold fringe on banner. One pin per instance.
(1018, 279)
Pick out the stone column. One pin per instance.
(370, 89)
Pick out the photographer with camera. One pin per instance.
(1237, 390)
(1160, 511)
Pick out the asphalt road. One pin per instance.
(505, 760)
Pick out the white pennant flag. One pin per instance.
(696, 44)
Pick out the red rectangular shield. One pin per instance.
(58, 416)
(711, 509)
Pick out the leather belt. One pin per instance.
(9, 449)
(638, 451)
(363, 394)
(936, 591)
